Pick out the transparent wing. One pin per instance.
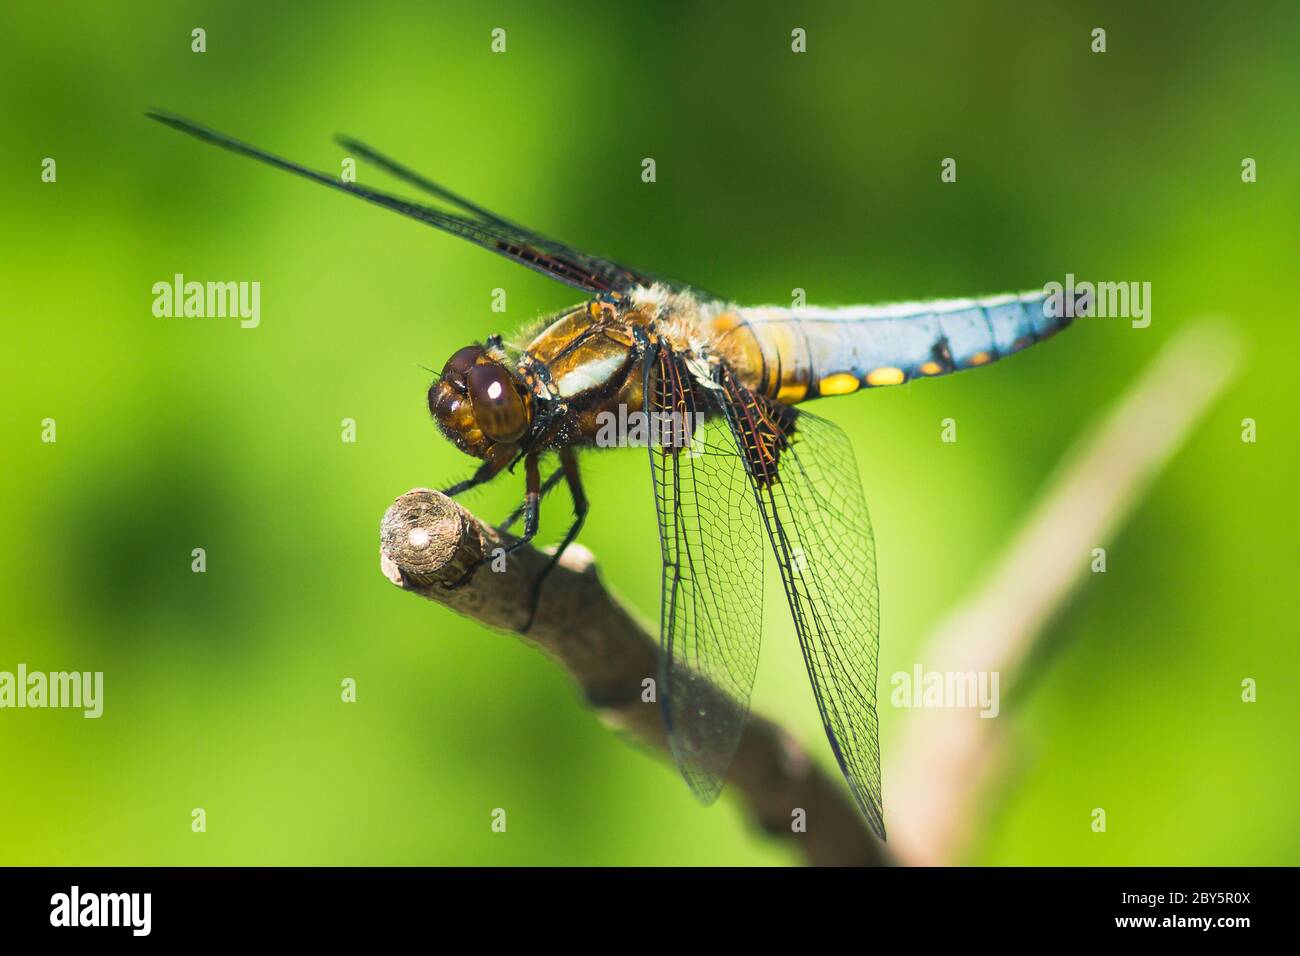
(406, 174)
(711, 611)
(805, 479)
(616, 276)
(578, 269)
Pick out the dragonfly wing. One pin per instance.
(618, 277)
(408, 175)
(578, 269)
(711, 610)
(805, 480)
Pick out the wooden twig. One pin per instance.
(947, 760)
(427, 541)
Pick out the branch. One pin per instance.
(947, 759)
(428, 541)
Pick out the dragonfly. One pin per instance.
(738, 463)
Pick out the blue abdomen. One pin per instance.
(807, 353)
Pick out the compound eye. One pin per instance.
(498, 409)
(460, 363)
(443, 400)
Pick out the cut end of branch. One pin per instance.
(425, 538)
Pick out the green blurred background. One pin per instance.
(775, 171)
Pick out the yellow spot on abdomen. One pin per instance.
(886, 376)
(841, 383)
(931, 368)
(792, 393)
(981, 358)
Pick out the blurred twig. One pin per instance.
(947, 758)
(427, 541)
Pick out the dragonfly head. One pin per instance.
(480, 404)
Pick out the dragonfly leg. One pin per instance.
(532, 503)
(486, 472)
(569, 469)
(547, 486)
(483, 474)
